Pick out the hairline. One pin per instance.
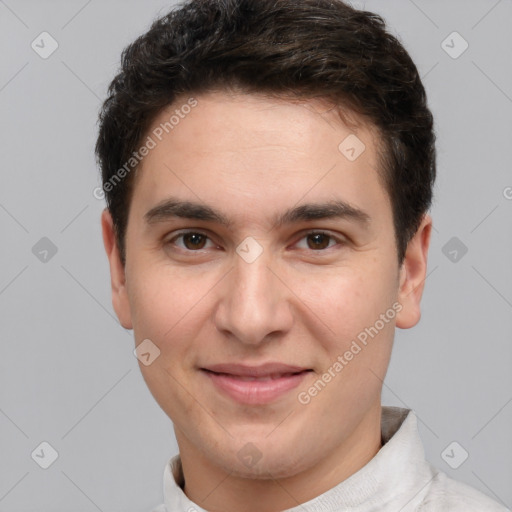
(348, 115)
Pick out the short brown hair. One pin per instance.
(291, 48)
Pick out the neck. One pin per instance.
(216, 490)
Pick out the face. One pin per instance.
(261, 262)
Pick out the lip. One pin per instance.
(255, 385)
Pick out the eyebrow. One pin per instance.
(175, 208)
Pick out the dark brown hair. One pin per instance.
(289, 48)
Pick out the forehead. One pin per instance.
(258, 149)
(239, 117)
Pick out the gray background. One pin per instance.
(68, 375)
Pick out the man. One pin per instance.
(268, 168)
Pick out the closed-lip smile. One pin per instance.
(256, 385)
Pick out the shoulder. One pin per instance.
(447, 494)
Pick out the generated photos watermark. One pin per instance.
(305, 397)
(150, 143)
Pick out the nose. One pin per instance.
(254, 306)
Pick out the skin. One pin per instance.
(251, 158)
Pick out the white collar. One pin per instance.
(396, 477)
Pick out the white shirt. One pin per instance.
(397, 479)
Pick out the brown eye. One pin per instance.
(318, 240)
(191, 241)
(194, 240)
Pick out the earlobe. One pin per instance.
(117, 271)
(412, 275)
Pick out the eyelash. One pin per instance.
(305, 235)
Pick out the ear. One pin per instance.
(412, 275)
(117, 271)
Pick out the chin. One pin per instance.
(277, 464)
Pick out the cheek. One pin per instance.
(166, 312)
(349, 300)
(162, 301)
(171, 310)
(352, 305)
